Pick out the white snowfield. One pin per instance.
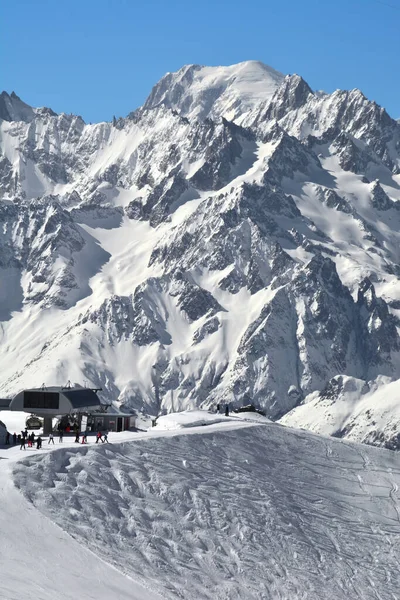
(232, 510)
(369, 413)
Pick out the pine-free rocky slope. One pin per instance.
(234, 239)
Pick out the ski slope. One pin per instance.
(38, 557)
(234, 509)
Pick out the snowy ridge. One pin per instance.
(235, 239)
(199, 92)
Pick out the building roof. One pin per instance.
(81, 397)
(113, 411)
(5, 403)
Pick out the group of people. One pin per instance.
(60, 437)
(81, 438)
(24, 439)
(102, 437)
(27, 440)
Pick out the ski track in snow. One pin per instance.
(40, 560)
(240, 512)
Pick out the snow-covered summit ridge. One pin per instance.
(212, 92)
(194, 91)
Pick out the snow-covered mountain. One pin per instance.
(235, 239)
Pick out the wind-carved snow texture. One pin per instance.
(261, 512)
(235, 239)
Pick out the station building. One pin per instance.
(75, 402)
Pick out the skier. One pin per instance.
(51, 438)
(105, 438)
(14, 438)
(22, 443)
(218, 409)
(98, 437)
(7, 438)
(61, 435)
(227, 410)
(38, 443)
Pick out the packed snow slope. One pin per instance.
(235, 239)
(39, 560)
(249, 512)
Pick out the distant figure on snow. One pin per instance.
(60, 436)
(14, 438)
(218, 409)
(98, 437)
(105, 438)
(51, 438)
(227, 410)
(7, 438)
(38, 443)
(22, 443)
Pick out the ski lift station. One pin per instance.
(50, 402)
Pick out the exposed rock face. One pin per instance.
(221, 243)
(291, 95)
(382, 338)
(13, 109)
(380, 199)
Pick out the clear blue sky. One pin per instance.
(100, 58)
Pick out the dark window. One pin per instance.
(49, 400)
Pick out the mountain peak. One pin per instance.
(199, 92)
(12, 108)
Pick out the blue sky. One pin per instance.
(101, 58)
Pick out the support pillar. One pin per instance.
(47, 425)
